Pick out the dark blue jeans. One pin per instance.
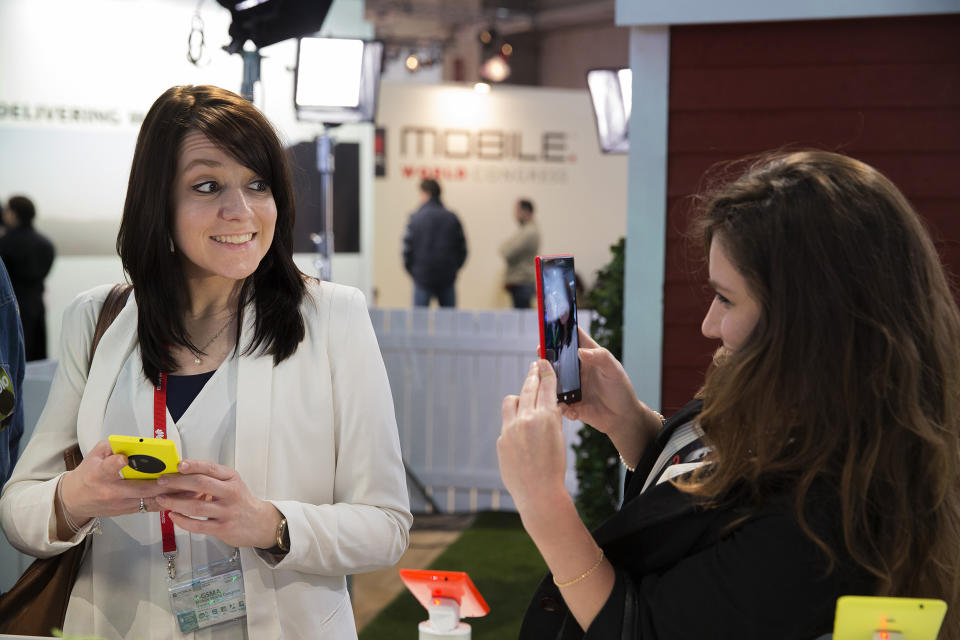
(447, 297)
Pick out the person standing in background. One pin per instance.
(28, 257)
(12, 363)
(434, 249)
(519, 250)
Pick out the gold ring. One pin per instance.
(143, 507)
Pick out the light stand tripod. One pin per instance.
(323, 240)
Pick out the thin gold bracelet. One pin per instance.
(582, 576)
(93, 526)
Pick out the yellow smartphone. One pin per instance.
(146, 457)
(872, 618)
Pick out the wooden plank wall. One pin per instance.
(886, 91)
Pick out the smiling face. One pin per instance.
(734, 311)
(224, 213)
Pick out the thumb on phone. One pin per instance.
(111, 462)
(585, 340)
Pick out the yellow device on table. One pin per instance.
(872, 618)
(146, 457)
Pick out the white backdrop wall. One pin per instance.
(75, 81)
(487, 151)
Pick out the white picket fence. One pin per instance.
(449, 371)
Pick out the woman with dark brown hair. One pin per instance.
(820, 458)
(270, 383)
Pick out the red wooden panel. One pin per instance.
(682, 383)
(827, 42)
(816, 87)
(686, 345)
(950, 258)
(680, 211)
(941, 217)
(939, 214)
(685, 171)
(886, 91)
(847, 131)
(685, 303)
(918, 174)
(684, 262)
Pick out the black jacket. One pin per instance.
(434, 248)
(682, 574)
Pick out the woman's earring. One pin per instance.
(170, 240)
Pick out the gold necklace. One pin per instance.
(196, 354)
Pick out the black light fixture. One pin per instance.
(265, 22)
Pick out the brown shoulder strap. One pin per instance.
(108, 313)
(72, 457)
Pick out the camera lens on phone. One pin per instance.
(146, 464)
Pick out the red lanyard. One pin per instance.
(160, 431)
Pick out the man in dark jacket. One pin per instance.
(28, 257)
(434, 249)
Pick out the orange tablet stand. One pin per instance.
(447, 596)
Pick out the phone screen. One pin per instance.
(557, 305)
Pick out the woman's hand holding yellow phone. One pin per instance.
(103, 486)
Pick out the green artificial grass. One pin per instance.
(503, 563)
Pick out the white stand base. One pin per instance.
(462, 632)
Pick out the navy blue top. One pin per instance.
(12, 364)
(182, 390)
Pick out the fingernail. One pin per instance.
(162, 481)
(545, 366)
(183, 466)
(161, 499)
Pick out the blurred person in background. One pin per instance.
(819, 459)
(519, 251)
(434, 249)
(269, 382)
(28, 256)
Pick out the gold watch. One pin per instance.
(283, 539)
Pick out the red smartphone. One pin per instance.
(557, 309)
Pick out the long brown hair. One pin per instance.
(276, 287)
(851, 378)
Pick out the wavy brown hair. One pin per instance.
(851, 378)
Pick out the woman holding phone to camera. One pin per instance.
(821, 456)
(275, 394)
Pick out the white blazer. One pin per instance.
(316, 435)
